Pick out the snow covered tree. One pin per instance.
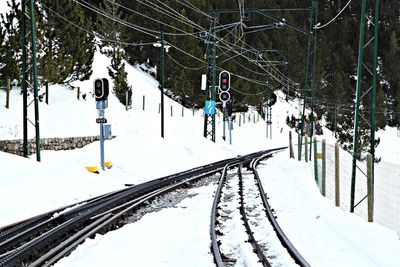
(121, 86)
(68, 52)
(10, 50)
(110, 31)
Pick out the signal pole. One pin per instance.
(162, 82)
(29, 68)
(356, 137)
(313, 79)
(161, 44)
(209, 117)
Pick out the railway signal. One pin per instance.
(101, 91)
(224, 96)
(224, 86)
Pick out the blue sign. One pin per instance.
(210, 107)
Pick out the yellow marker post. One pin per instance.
(108, 164)
(92, 169)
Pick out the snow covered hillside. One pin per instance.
(139, 154)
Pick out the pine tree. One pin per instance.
(2, 57)
(121, 86)
(68, 51)
(11, 44)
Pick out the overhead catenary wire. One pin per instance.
(123, 22)
(91, 32)
(148, 32)
(183, 66)
(317, 27)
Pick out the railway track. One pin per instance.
(243, 228)
(44, 239)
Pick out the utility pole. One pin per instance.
(29, 69)
(306, 79)
(162, 81)
(313, 81)
(162, 45)
(209, 117)
(356, 136)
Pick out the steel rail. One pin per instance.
(297, 257)
(82, 216)
(103, 220)
(252, 240)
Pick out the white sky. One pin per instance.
(325, 235)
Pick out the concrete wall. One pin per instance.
(16, 146)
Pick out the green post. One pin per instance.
(337, 176)
(374, 82)
(306, 85)
(24, 79)
(315, 160)
(47, 93)
(172, 114)
(323, 182)
(313, 80)
(35, 78)
(356, 115)
(299, 137)
(209, 120)
(8, 88)
(162, 82)
(144, 104)
(306, 148)
(290, 145)
(126, 100)
(370, 189)
(335, 121)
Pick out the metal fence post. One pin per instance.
(337, 175)
(323, 182)
(8, 93)
(370, 189)
(315, 160)
(299, 146)
(47, 93)
(290, 145)
(306, 148)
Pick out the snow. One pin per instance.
(324, 234)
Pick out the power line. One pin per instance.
(91, 32)
(317, 27)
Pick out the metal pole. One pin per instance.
(162, 82)
(209, 119)
(374, 70)
(306, 76)
(101, 137)
(24, 81)
(8, 88)
(47, 93)
(35, 79)
(356, 115)
(335, 122)
(213, 72)
(223, 119)
(313, 81)
(230, 129)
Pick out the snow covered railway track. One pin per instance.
(46, 238)
(243, 228)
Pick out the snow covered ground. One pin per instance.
(324, 234)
